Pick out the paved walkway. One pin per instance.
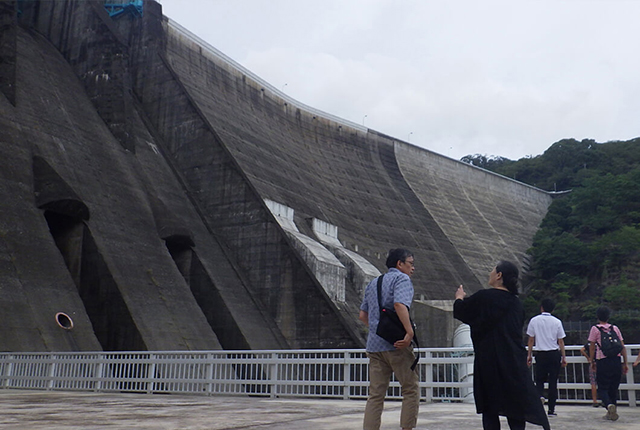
(40, 410)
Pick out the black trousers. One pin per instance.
(548, 365)
(609, 373)
(492, 422)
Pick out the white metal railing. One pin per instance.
(445, 373)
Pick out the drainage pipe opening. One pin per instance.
(64, 321)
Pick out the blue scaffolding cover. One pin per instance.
(118, 8)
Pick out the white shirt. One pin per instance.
(546, 329)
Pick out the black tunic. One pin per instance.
(501, 382)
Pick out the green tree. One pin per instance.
(587, 250)
(618, 247)
(623, 296)
(556, 254)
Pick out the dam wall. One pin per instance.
(486, 216)
(165, 198)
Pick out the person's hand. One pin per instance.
(635, 363)
(460, 294)
(625, 368)
(564, 362)
(399, 344)
(529, 360)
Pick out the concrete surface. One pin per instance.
(39, 410)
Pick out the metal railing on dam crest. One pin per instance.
(445, 373)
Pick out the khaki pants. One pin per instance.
(381, 366)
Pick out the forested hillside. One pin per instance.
(587, 251)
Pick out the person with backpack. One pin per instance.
(606, 347)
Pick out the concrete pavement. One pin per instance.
(40, 410)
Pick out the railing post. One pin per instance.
(52, 373)
(274, 377)
(209, 372)
(7, 380)
(99, 373)
(346, 391)
(151, 373)
(631, 392)
(428, 376)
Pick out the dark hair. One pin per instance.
(603, 313)
(398, 254)
(548, 305)
(509, 275)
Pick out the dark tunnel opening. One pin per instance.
(109, 315)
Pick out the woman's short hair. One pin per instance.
(603, 313)
(510, 275)
(398, 254)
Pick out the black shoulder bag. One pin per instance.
(390, 327)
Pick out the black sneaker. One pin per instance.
(552, 414)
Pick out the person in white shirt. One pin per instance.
(547, 334)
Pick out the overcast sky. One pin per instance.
(457, 77)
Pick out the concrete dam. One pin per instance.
(155, 195)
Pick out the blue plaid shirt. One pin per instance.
(396, 288)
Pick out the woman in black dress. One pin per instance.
(501, 381)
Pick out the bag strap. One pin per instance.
(602, 333)
(415, 338)
(597, 344)
(380, 293)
